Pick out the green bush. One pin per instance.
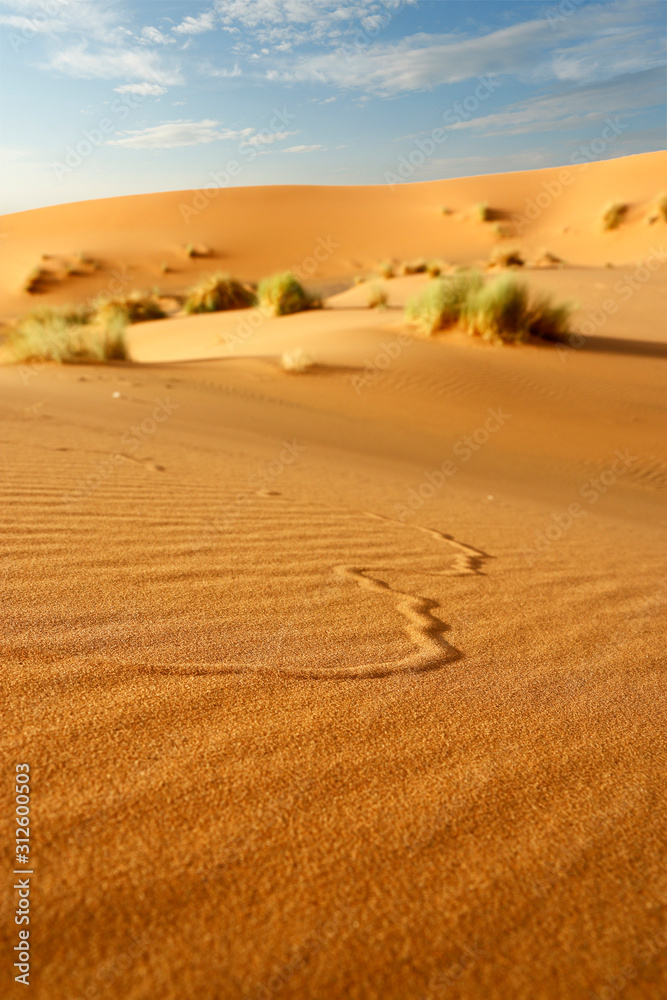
(137, 307)
(68, 337)
(281, 294)
(502, 311)
(613, 215)
(377, 297)
(217, 293)
(440, 304)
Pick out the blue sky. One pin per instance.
(105, 97)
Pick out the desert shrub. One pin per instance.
(501, 231)
(502, 311)
(296, 362)
(35, 281)
(440, 304)
(67, 336)
(217, 293)
(414, 267)
(281, 294)
(377, 297)
(359, 279)
(506, 258)
(548, 259)
(446, 210)
(386, 269)
(613, 215)
(483, 212)
(191, 250)
(136, 307)
(434, 268)
(659, 210)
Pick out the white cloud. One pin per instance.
(140, 64)
(196, 25)
(227, 73)
(267, 138)
(155, 35)
(170, 135)
(303, 149)
(145, 89)
(574, 108)
(284, 24)
(600, 42)
(84, 18)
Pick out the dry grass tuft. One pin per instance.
(136, 307)
(613, 215)
(281, 294)
(377, 297)
(296, 362)
(506, 258)
(414, 267)
(440, 304)
(217, 293)
(501, 311)
(68, 336)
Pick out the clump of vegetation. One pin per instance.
(659, 210)
(296, 362)
(281, 294)
(68, 336)
(164, 267)
(506, 258)
(217, 293)
(197, 251)
(548, 259)
(137, 307)
(386, 269)
(434, 269)
(35, 281)
(502, 312)
(613, 215)
(359, 279)
(446, 210)
(483, 212)
(414, 267)
(441, 303)
(85, 260)
(377, 297)
(501, 231)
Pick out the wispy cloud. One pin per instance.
(530, 50)
(196, 25)
(170, 135)
(216, 71)
(145, 89)
(156, 36)
(574, 108)
(267, 138)
(105, 64)
(303, 149)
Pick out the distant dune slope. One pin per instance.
(329, 234)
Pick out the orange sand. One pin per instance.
(348, 683)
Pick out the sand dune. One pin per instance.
(329, 234)
(347, 683)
